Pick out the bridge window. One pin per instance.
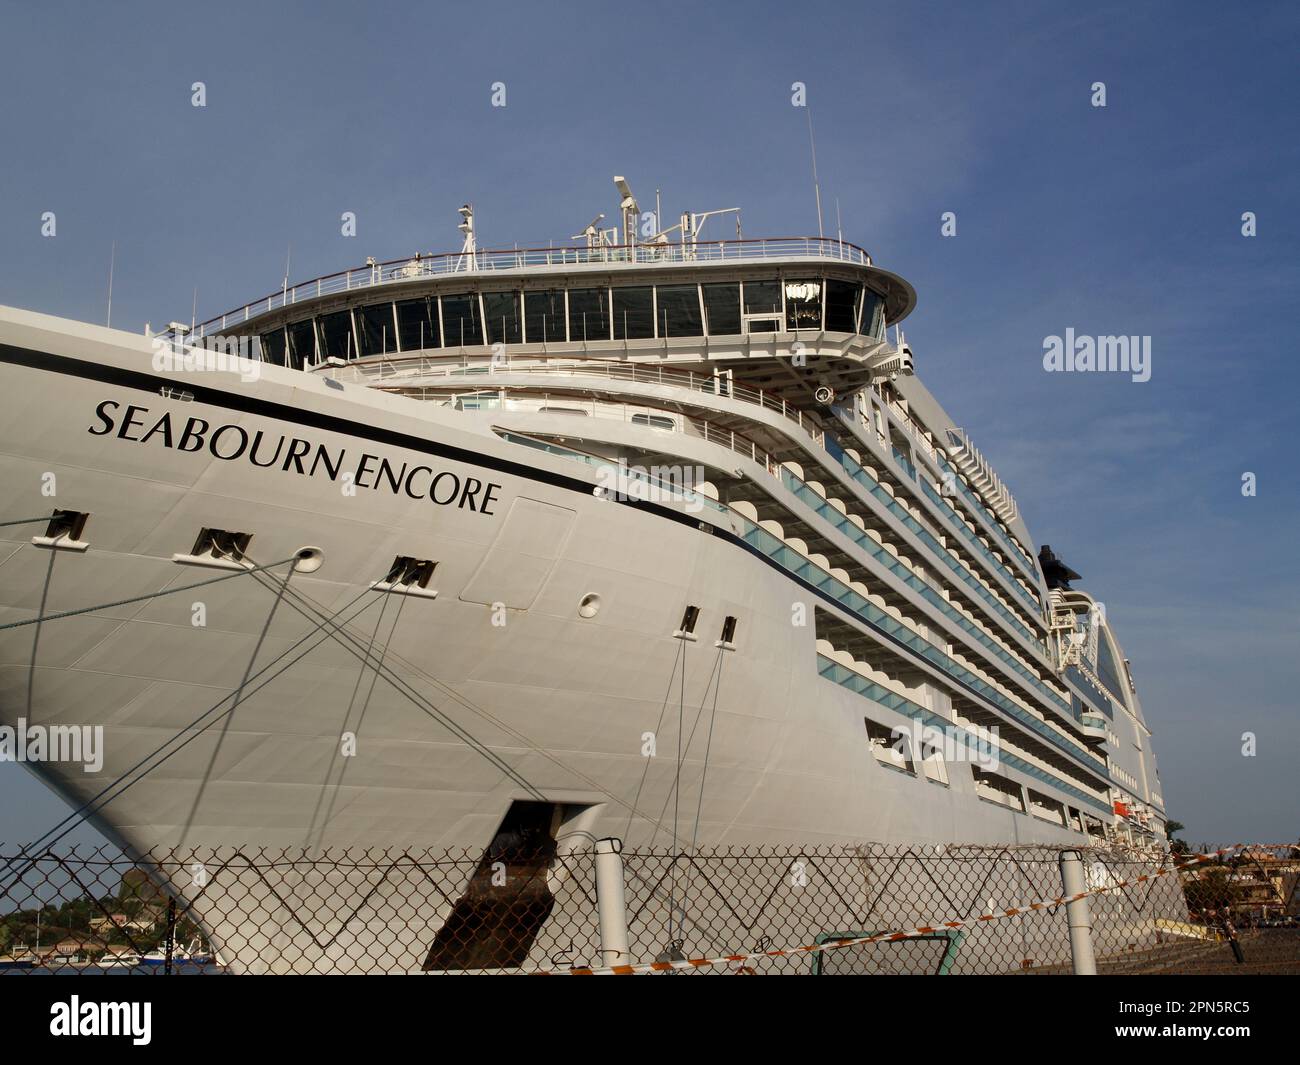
(273, 347)
(417, 321)
(460, 320)
(634, 313)
(678, 311)
(873, 316)
(589, 314)
(375, 331)
(803, 304)
(842, 306)
(301, 344)
(544, 316)
(501, 315)
(334, 335)
(722, 306)
(762, 301)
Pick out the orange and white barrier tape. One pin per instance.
(891, 937)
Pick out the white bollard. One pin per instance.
(611, 906)
(1078, 915)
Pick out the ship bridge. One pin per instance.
(786, 315)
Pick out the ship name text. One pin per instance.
(231, 442)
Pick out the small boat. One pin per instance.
(126, 960)
(159, 957)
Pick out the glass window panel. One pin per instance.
(273, 347)
(678, 311)
(803, 304)
(417, 321)
(722, 305)
(842, 306)
(589, 314)
(544, 316)
(633, 313)
(375, 329)
(460, 324)
(302, 344)
(334, 334)
(1108, 670)
(501, 314)
(763, 297)
(460, 320)
(873, 319)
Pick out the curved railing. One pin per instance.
(397, 369)
(480, 263)
(378, 371)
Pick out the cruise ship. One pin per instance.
(644, 535)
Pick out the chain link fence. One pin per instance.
(983, 909)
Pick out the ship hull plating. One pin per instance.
(312, 710)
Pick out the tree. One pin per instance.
(1211, 890)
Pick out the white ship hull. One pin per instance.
(559, 706)
(787, 762)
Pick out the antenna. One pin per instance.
(194, 308)
(288, 252)
(466, 226)
(112, 259)
(689, 226)
(839, 225)
(629, 208)
(817, 189)
(591, 232)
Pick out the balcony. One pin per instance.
(1093, 726)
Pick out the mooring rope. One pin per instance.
(89, 806)
(141, 598)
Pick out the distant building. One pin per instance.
(1269, 883)
(141, 923)
(71, 947)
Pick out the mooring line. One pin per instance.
(645, 770)
(229, 716)
(713, 672)
(433, 712)
(361, 718)
(708, 746)
(422, 702)
(142, 598)
(347, 717)
(26, 521)
(89, 806)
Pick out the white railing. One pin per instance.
(414, 368)
(565, 406)
(913, 430)
(396, 271)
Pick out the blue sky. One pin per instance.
(1117, 220)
